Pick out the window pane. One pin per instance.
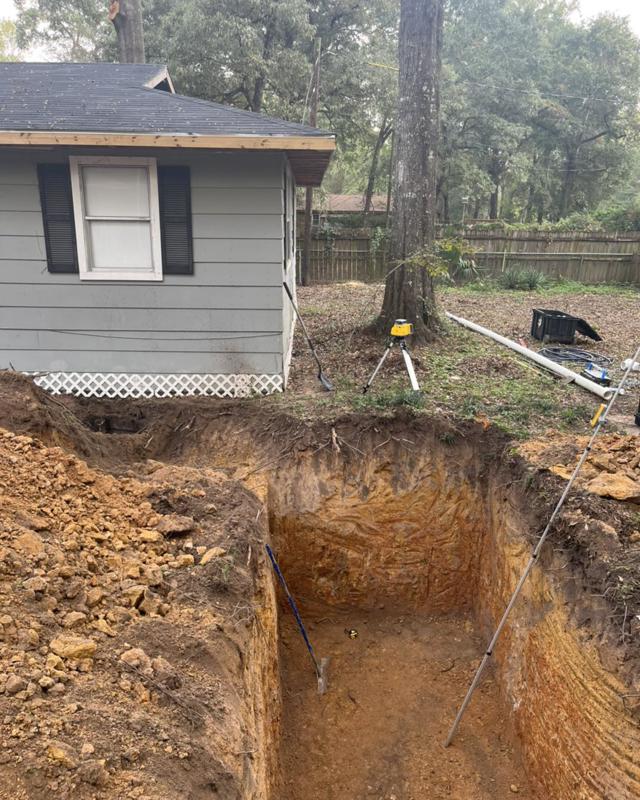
(116, 191)
(120, 246)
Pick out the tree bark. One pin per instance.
(126, 16)
(409, 292)
(383, 135)
(308, 205)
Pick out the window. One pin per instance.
(117, 218)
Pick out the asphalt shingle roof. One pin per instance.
(118, 98)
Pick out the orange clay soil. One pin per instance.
(392, 694)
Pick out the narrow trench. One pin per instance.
(378, 732)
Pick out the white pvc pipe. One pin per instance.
(604, 392)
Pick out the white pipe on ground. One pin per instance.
(604, 392)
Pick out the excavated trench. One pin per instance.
(417, 549)
(402, 540)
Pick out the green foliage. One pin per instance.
(388, 399)
(533, 279)
(71, 30)
(523, 279)
(458, 255)
(8, 44)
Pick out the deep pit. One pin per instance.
(418, 546)
(408, 531)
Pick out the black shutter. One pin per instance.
(174, 185)
(56, 202)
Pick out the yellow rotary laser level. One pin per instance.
(401, 328)
(399, 332)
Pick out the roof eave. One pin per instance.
(309, 156)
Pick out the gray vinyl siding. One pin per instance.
(226, 318)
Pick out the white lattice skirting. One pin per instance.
(121, 384)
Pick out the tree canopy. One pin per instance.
(539, 109)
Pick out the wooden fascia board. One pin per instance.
(164, 140)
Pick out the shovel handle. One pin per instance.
(294, 608)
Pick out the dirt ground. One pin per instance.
(378, 732)
(463, 375)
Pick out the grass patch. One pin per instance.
(532, 280)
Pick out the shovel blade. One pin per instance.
(323, 678)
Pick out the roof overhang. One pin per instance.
(309, 156)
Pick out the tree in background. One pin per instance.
(8, 44)
(126, 16)
(409, 287)
(71, 30)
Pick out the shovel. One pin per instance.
(321, 667)
(321, 376)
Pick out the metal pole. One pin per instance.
(377, 369)
(535, 554)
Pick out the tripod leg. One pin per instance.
(409, 365)
(377, 369)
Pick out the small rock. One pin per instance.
(15, 684)
(174, 525)
(615, 485)
(136, 657)
(36, 585)
(103, 626)
(87, 749)
(95, 596)
(94, 772)
(46, 683)
(515, 789)
(73, 647)
(214, 552)
(150, 536)
(184, 560)
(29, 544)
(62, 754)
(73, 619)
(634, 536)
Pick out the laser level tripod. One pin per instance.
(399, 332)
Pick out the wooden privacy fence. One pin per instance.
(580, 256)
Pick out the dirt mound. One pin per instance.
(124, 602)
(612, 469)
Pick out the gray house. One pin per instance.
(145, 236)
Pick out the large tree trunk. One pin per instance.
(409, 290)
(126, 16)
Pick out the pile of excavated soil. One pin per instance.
(612, 469)
(121, 628)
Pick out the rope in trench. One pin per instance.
(536, 552)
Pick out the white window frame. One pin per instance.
(77, 189)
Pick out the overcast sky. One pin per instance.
(630, 8)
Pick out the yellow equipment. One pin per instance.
(401, 328)
(399, 332)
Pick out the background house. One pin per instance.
(145, 236)
(339, 207)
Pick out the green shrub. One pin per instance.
(511, 279)
(533, 279)
(518, 279)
